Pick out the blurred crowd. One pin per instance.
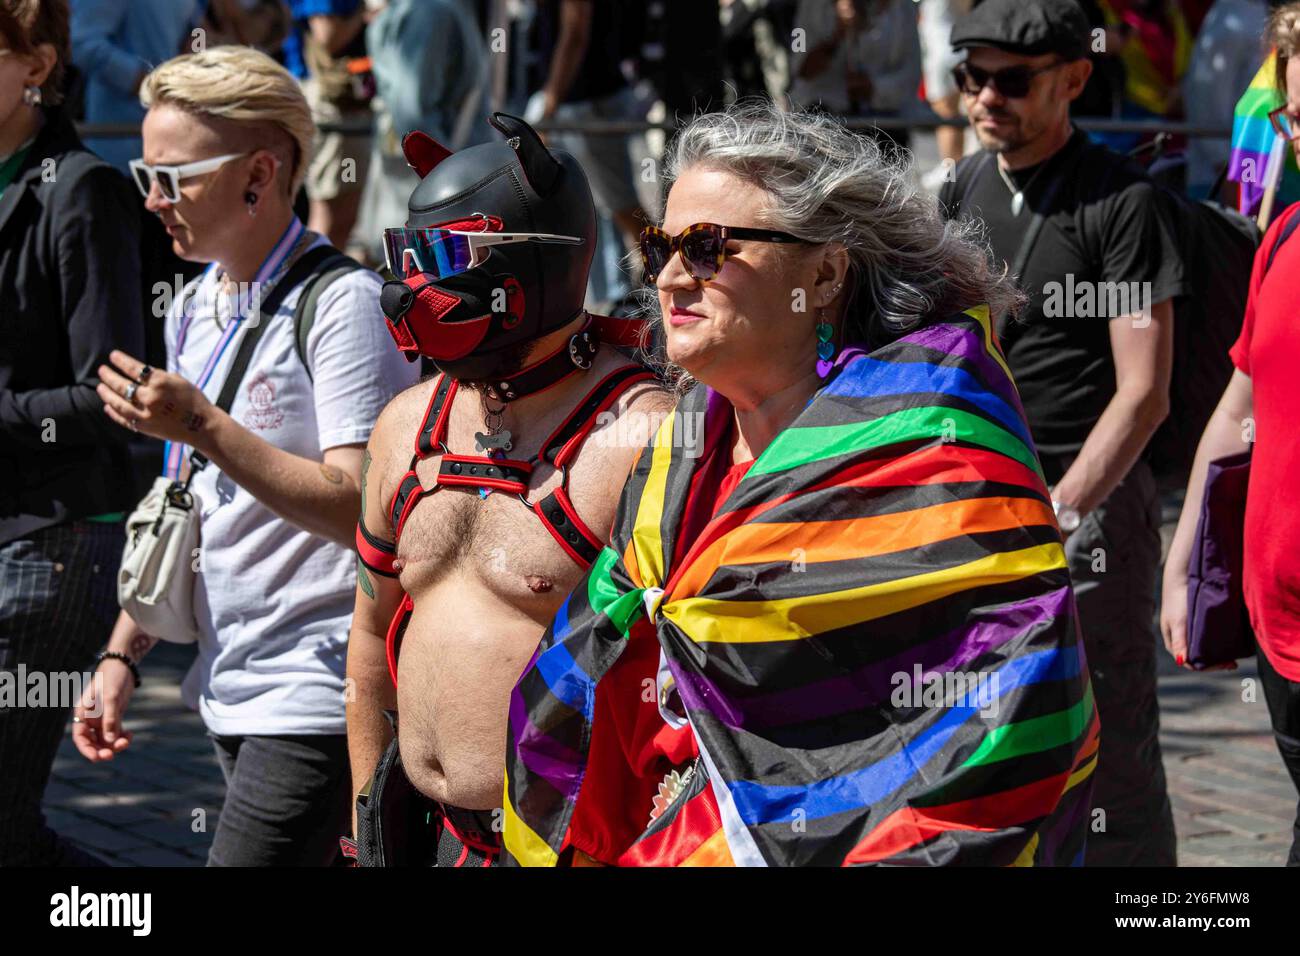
(1086, 339)
(374, 69)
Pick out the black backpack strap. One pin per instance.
(333, 267)
(247, 345)
(307, 264)
(1293, 221)
(968, 174)
(298, 273)
(1030, 237)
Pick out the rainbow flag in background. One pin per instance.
(1253, 138)
(898, 533)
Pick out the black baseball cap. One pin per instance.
(1029, 27)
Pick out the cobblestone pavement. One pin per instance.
(1233, 802)
(157, 804)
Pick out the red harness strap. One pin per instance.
(375, 553)
(556, 510)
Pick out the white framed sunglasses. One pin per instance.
(169, 178)
(439, 253)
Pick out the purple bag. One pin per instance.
(1218, 627)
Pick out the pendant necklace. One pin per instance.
(1018, 192)
(496, 442)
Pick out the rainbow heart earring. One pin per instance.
(825, 345)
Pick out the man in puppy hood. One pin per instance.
(467, 548)
(471, 306)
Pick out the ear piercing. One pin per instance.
(32, 95)
(250, 198)
(825, 347)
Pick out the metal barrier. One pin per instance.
(616, 128)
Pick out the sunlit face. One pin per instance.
(752, 323)
(1004, 124)
(211, 216)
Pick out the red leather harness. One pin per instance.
(509, 475)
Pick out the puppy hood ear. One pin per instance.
(542, 169)
(423, 152)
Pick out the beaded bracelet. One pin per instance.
(118, 656)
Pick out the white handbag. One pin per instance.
(155, 584)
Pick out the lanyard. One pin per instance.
(174, 453)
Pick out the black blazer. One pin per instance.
(70, 292)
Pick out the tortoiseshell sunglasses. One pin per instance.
(703, 247)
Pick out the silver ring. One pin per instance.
(135, 422)
(76, 720)
(131, 389)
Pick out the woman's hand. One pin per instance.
(161, 405)
(1173, 618)
(1173, 613)
(97, 719)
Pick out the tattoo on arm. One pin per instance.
(332, 474)
(140, 646)
(365, 467)
(192, 421)
(364, 582)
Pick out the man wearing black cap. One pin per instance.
(1092, 354)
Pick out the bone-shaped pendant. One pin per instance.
(499, 440)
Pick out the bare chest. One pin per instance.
(493, 541)
(497, 542)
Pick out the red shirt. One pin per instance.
(1269, 352)
(632, 747)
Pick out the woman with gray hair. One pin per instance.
(838, 627)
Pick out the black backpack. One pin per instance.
(1218, 247)
(322, 266)
(319, 267)
(1218, 250)
(315, 271)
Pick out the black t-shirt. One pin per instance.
(1105, 225)
(600, 73)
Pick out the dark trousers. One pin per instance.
(287, 800)
(58, 602)
(1114, 559)
(398, 826)
(1283, 698)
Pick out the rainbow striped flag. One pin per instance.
(874, 639)
(1253, 138)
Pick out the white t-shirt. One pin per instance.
(274, 603)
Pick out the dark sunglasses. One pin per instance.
(1013, 82)
(703, 247)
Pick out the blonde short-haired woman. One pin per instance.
(226, 142)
